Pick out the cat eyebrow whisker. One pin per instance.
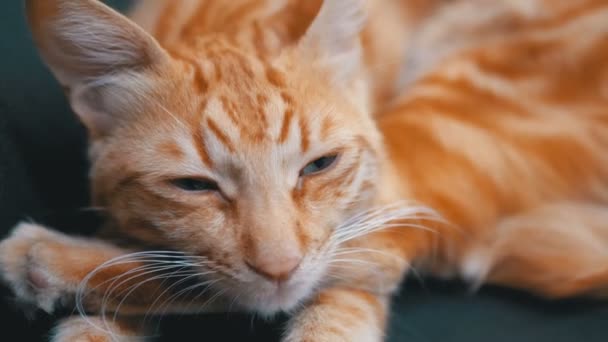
(175, 118)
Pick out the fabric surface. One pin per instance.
(43, 176)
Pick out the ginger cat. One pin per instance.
(256, 148)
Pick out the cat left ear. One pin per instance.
(99, 56)
(334, 38)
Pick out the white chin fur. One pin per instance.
(269, 299)
(266, 298)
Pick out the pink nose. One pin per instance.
(275, 268)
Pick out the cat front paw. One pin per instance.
(26, 257)
(96, 329)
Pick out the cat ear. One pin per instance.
(97, 54)
(333, 37)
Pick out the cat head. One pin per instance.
(252, 163)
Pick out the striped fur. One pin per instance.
(498, 134)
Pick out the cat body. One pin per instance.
(302, 159)
(512, 121)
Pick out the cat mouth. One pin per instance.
(283, 298)
(270, 298)
(265, 296)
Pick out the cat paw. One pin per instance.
(94, 329)
(25, 259)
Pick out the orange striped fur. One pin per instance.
(304, 158)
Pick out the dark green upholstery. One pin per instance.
(43, 176)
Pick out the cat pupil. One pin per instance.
(319, 165)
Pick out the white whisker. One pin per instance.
(134, 287)
(159, 261)
(193, 275)
(381, 218)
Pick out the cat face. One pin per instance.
(255, 180)
(252, 164)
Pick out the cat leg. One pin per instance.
(340, 314)
(95, 329)
(45, 268)
(556, 251)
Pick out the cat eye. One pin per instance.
(195, 184)
(319, 165)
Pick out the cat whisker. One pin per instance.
(369, 227)
(166, 304)
(358, 250)
(154, 266)
(139, 284)
(159, 261)
(234, 300)
(334, 276)
(151, 309)
(81, 293)
(212, 299)
(385, 216)
(372, 211)
(207, 286)
(181, 281)
(110, 292)
(366, 230)
(398, 212)
(353, 261)
(377, 219)
(163, 308)
(141, 271)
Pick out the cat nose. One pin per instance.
(275, 268)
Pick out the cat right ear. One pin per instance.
(97, 54)
(332, 39)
